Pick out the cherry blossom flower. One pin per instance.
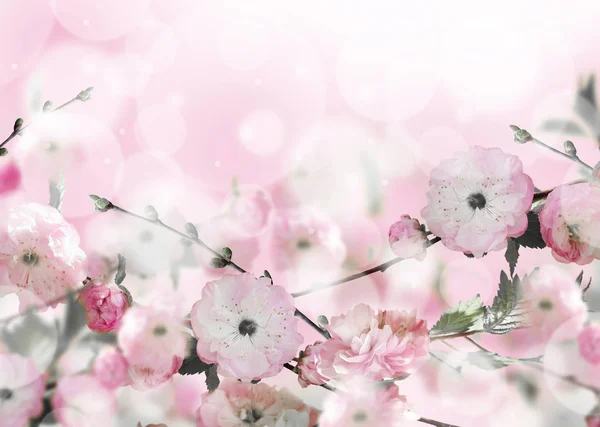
(246, 326)
(551, 298)
(10, 177)
(111, 369)
(478, 199)
(153, 342)
(569, 223)
(249, 210)
(236, 404)
(41, 253)
(308, 364)
(21, 390)
(589, 343)
(383, 345)
(304, 232)
(364, 404)
(80, 400)
(407, 238)
(105, 305)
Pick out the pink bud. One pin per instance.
(104, 306)
(407, 238)
(308, 365)
(111, 369)
(10, 177)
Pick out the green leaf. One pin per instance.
(512, 255)
(491, 361)
(499, 318)
(57, 192)
(459, 318)
(532, 238)
(212, 379)
(120, 276)
(192, 365)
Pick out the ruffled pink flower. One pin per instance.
(589, 344)
(236, 404)
(383, 345)
(551, 298)
(246, 326)
(478, 200)
(81, 400)
(41, 253)
(303, 232)
(10, 177)
(363, 405)
(21, 390)
(570, 223)
(105, 305)
(407, 238)
(308, 364)
(153, 342)
(111, 369)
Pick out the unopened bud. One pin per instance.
(47, 106)
(3, 152)
(322, 321)
(522, 136)
(85, 95)
(18, 124)
(191, 230)
(151, 213)
(570, 148)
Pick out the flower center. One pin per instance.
(159, 331)
(247, 327)
(250, 416)
(360, 417)
(573, 230)
(30, 258)
(545, 305)
(303, 244)
(476, 201)
(5, 394)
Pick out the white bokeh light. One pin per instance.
(262, 132)
(160, 128)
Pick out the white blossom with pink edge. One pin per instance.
(407, 238)
(477, 200)
(236, 404)
(550, 298)
(364, 404)
(153, 342)
(570, 223)
(21, 390)
(41, 253)
(81, 401)
(246, 325)
(377, 345)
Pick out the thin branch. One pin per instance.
(543, 194)
(82, 96)
(458, 335)
(435, 423)
(312, 324)
(379, 268)
(573, 158)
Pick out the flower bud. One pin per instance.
(191, 230)
(570, 148)
(407, 238)
(151, 213)
(18, 124)
(47, 106)
(104, 306)
(111, 369)
(308, 364)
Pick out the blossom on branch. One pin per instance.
(407, 238)
(104, 304)
(477, 200)
(308, 366)
(246, 326)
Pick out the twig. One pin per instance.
(316, 327)
(381, 267)
(435, 423)
(573, 158)
(543, 194)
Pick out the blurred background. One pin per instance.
(295, 134)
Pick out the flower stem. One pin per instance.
(316, 327)
(573, 158)
(381, 267)
(18, 132)
(435, 423)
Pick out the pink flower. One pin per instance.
(111, 369)
(249, 210)
(81, 400)
(407, 238)
(569, 223)
(236, 404)
(246, 326)
(10, 177)
(21, 390)
(308, 365)
(478, 200)
(593, 420)
(589, 344)
(303, 232)
(384, 345)
(104, 304)
(551, 298)
(41, 253)
(153, 342)
(362, 405)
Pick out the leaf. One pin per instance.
(57, 191)
(499, 318)
(512, 255)
(564, 126)
(459, 318)
(473, 256)
(192, 365)
(120, 276)
(532, 238)
(579, 279)
(74, 321)
(212, 379)
(489, 361)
